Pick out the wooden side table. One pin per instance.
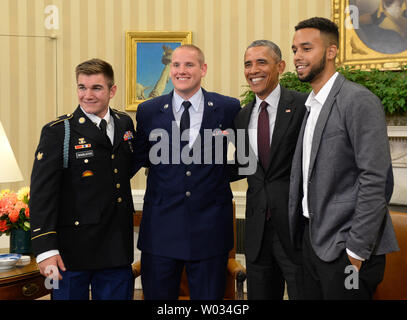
(22, 283)
(26, 283)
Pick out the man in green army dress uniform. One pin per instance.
(81, 203)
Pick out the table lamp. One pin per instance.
(9, 170)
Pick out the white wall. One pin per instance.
(4, 241)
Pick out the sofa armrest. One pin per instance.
(136, 267)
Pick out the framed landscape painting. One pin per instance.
(148, 57)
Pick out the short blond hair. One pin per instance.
(201, 56)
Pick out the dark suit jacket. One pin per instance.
(268, 187)
(85, 211)
(349, 178)
(187, 211)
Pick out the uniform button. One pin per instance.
(76, 223)
(188, 193)
(115, 171)
(119, 200)
(112, 156)
(188, 173)
(86, 160)
(118, 186)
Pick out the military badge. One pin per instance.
(130, 146)
(84, 154)
(218, 132)
(87, 173)
(83, 146)
(128, 135)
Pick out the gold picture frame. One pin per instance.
(148, 54)
(366, 40)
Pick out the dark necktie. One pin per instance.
(263, 136)
(185, 122)
(103, 128)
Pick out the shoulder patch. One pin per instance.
(61, 119)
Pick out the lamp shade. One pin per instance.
(9, 170)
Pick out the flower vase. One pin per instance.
(20, 241)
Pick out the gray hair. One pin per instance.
(267, 43)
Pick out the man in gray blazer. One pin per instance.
(337, 203)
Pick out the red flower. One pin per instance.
(27, 212)
(3, 226)
(13, 215)
(5, 206)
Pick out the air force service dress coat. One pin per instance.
(85, 210)
(187, 212)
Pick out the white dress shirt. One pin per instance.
(272, 99)
(110, 132)
(195, 113)
(314, 106)
(109, 119)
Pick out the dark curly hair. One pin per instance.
(325, 26)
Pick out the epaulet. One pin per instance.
(61, 119)
(120, 112)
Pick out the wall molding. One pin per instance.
(397, 131)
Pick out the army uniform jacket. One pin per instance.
(85, 210)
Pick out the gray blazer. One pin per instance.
(349, 166)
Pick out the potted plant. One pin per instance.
(389, 86)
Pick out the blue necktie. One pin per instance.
(185, 122)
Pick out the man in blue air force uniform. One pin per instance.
(187, 214)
